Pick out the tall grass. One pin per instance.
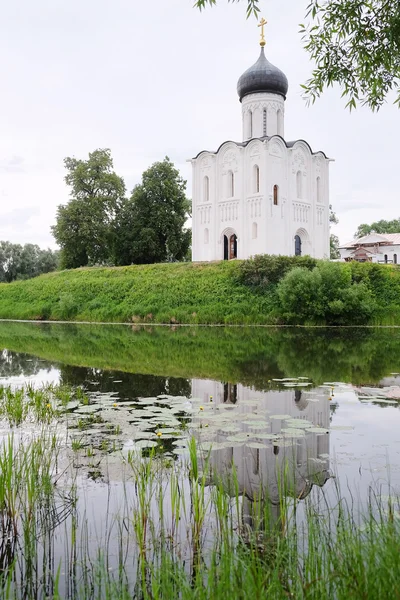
(178, 528)
(234, 292)
(182, 531)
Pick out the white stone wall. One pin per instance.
(261, 227)
(262, 114)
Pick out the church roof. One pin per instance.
(263, 76)
(374, 238)
(265, 138)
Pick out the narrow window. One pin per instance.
(385, 257)
(231, 184)
(264, 121)
(297, 245)
(299, 182)
(206, 190)
(395, 259)
(276, 195)
(250, 124)
(318, 189)
(206, 235)
(254, 231)
(256, 185)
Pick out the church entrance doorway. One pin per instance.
(230, 247)
(297, 245)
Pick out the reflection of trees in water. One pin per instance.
(15, 363)
(131, 385)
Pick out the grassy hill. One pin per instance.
(235, 292)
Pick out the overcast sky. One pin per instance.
(155, 78)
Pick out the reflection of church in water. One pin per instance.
(259, 469)
(264, 195)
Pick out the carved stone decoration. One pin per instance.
(205, 162)
(275, 150)
(299, 162)
(318, 161)
(229, 162)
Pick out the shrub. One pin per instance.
(263, 270)
(327, 294)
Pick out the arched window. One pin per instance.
(231, 184)
(264, 121)
(206, 189)
(206, 236)
(297, 245)
(256, 179)
(254, 231)
(318, 189)
(276, 190)
(250, 124)
(385, 258)
(395, 259)
(299, 182)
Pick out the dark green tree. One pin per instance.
(333, 240)
(85, 227)
(151, 224)
(381, 226)
(24, 262)
(355, 43)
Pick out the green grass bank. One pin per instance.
(263, 290)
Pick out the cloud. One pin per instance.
(14, 164)
(19, 216)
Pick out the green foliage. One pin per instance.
(150, 226)
(262, 270)
(228, 292)
(327, 294)
(356, 44)
(252, 5)
(381, 226)
(24, 262)
(84, 228)
(353, 43)
(334, 246)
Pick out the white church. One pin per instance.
(263, 195)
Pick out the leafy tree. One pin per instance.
(85, 227)
(355, 43)
(150, 225)
(333, 240)
(381, 226)
(327, 294)
(10, 259)
(334, 246)
(24, 262)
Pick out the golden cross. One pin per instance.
(262, 24)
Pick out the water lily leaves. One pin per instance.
(318, 430)
(240, 437)
(91, 408)
(282, 417)
(298, 424)
(342, 427)
(293, 431)
(142, 444)
(257, 445)
(266, 436)
(71, 405)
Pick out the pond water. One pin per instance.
(324, 403)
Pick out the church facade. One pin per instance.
(263, 195)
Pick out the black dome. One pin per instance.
(262, 77)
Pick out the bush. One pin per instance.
(263, 270)
(325, 295)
